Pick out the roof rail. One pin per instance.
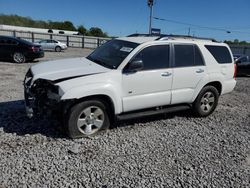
(167, 37)
(143, 35)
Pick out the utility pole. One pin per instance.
(189, 31)
(150, 5)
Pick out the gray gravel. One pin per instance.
(175, 150)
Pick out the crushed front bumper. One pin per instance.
(41, 97)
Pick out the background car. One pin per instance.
(52, 45)
(236, 56)
(19, 50)
(243, 65)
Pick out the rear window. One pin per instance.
(220, 53)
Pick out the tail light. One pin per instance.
(35, 49)
(235, 70)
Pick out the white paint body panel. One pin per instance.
(146, 89)
(185, 81)
(54, 70)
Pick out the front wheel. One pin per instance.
(18, 57)
(87, 118)
(58, 49)
(206, 101)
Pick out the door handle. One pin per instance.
(200, 71)
(166, 74)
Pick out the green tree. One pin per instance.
(236, 41)
(97, 32)
(82, 30)
(66, 25)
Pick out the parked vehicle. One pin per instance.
(52, 45)
(236, 56)
(243, 65)
(131, 77)
(19, 50)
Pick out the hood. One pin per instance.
(66, 68)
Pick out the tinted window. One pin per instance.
(154, 57)
(2, 41)
(198, 57)
(187, 55)
(10, 41)
(220, 53)
(243, 59)
(184, 55)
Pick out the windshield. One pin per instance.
(112, 53)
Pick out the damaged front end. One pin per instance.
(41, 96)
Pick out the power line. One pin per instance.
(199, 26)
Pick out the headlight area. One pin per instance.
(44, 95)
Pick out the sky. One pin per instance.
(219, 19)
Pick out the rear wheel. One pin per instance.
(58, 49)
(18, 57)
(206, 101)
(87, 118)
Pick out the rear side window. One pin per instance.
(154, 57)
(187, 55)
(220, 53)
(2, 41)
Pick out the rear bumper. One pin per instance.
(228, 86)
(34, 55)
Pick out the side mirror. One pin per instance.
(135, 65)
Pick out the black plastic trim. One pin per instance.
(151, 112)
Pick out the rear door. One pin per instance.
(188, 69)
(7, 47)
(2, 49)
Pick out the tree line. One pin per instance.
(65, 25)
(237, 42)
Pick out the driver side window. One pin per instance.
(154, 57)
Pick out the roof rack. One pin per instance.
(167, 37)
(142, 35)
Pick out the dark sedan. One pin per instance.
(243, 65)
(19, 50)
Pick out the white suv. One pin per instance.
(131, 77)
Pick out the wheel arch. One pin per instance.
(215, 84)
(105, 99)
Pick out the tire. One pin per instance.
(18, 57)
(206, 101)
(86, 119)
(58, 49)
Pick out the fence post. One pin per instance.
(67, 40)
(82, 42)
(33, 38)
(98, 42)
(14, 33)
(244, 50)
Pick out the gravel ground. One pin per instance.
(175, 150)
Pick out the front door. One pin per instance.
(151, 86)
